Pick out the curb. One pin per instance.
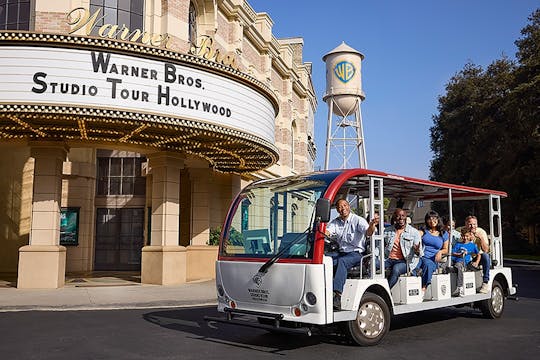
(119, 306)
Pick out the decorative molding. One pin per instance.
(227, 150)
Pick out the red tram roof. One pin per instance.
(412, 187)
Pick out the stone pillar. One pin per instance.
(164, 261)
(200, 205)
(42, 263)
(201, 257)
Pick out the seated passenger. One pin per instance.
(402, 247)
(349, 231)
(482, 242)
(455, 235)
(435, 246)
(461, 256)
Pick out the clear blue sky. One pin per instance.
(412, 48)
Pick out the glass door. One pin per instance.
(119, 239)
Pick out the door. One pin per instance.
(119, 239)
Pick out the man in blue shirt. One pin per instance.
(349, 231)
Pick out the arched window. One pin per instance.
(119, 12)
(15, 14)
(192, 24)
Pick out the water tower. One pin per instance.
(344, 136)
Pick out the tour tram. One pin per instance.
(272, 271)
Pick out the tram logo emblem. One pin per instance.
(257, 279)
(344, 71)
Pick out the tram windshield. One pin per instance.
(269, 216)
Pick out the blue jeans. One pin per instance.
(428, 268)
(398, 267)
(485, 261)
(343, 262)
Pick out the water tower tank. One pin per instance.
(344, 79)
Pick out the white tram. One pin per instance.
(272, 271)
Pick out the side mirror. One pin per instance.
(322, 210)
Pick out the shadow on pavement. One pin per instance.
(8, 280)
(103, 278)
(191, 321)
(85, 279)
(433, 316)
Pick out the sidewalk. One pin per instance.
(106, 293)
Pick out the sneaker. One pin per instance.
(337, 301)
(461, 292)
(484, 289)
(458, 291)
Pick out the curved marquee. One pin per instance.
(51, 90)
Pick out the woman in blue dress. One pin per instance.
(435, 245)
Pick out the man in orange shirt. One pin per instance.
(402, 247)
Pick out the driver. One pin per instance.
(349, 231)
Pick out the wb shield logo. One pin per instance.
(257, 279)
(344, 71)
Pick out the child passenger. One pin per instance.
(461, 255)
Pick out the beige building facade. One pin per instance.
(127, 127)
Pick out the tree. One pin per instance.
(486, 132)
(524, 106)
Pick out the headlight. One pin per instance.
(311, 299)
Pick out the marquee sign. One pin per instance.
(99, 79)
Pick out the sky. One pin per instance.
(412, 48)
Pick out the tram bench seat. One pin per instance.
(362, 270)
(357, 272)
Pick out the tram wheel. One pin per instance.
(372, 321)
(493, 308)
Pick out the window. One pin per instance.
(14, 14)
(192, 21)
(120, 176)
(119, 12)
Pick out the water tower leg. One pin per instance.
(361, 145)
(329, 129)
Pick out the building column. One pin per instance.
(164, 261)
(201, 257)
(42, 263)
(200, 205)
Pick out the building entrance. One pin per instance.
(119, 239)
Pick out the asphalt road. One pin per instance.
(182, 334)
